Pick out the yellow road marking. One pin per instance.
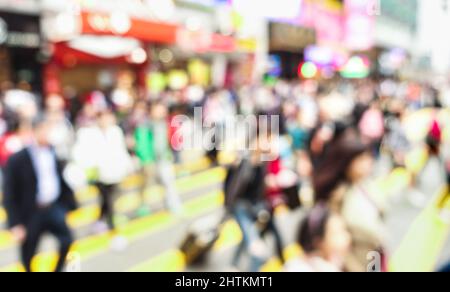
(127, 203)
(398, 180)
(174, 260)
(13, 268)
(134, 230)
(420, 248)
(83, 216)
(230, 235)
(87, 194)
(90, 193)
(170, 261)
(275, 265)
(5, 238)
(2, 215)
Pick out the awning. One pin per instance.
(121, 25)
(67, 27)
(68, 56)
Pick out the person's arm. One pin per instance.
(11, 194)
(67, 193)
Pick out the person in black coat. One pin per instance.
(37, 198)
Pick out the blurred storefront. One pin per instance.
(328, 19)
(92, 45)
(316, 40)
(20, 42)
(287, 45)
(199, 47)
(210, 33)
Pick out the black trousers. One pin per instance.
(107, 203)
(53, 220)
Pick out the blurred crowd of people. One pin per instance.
(328, 140)
(336, 133)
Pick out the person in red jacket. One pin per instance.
(434, 143)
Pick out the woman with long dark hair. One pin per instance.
(331, 175)
(341, 183)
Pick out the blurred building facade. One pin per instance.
(20, 43)
(433, 43)
(89, 44)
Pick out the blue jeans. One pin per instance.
(251, 234)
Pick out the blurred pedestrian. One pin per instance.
(219, 108)
(331, 177)
(37, 197)
(342, 182)
(101, 149)
(396, 142)
(62, 135)
(155, 154)
(245, 199)
(371, 127)
(435, 148)
(94, 103)
(325, 241)
(277, 179)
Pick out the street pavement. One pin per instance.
(418, 239)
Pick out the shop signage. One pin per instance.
(66, 27)
(359, 25)
(204, 42)
(291, 38)
(162, 10)
(16, 36)
(23, 40)
(122, 25)
(116, 23)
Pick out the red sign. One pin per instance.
(222, 44)
(360, 25)
(121, 25)
(203, 42)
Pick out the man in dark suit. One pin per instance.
(36, 196)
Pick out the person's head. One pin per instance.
(24, 85)
(54, 103)
(42, 128)
(360, 167)
(434, 138)
(141, 106)
(159, 111)
(106, 119)
(349, 160)
(28, 111)
(264, 139)
(324, 233)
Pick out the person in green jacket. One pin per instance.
(154, 152)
